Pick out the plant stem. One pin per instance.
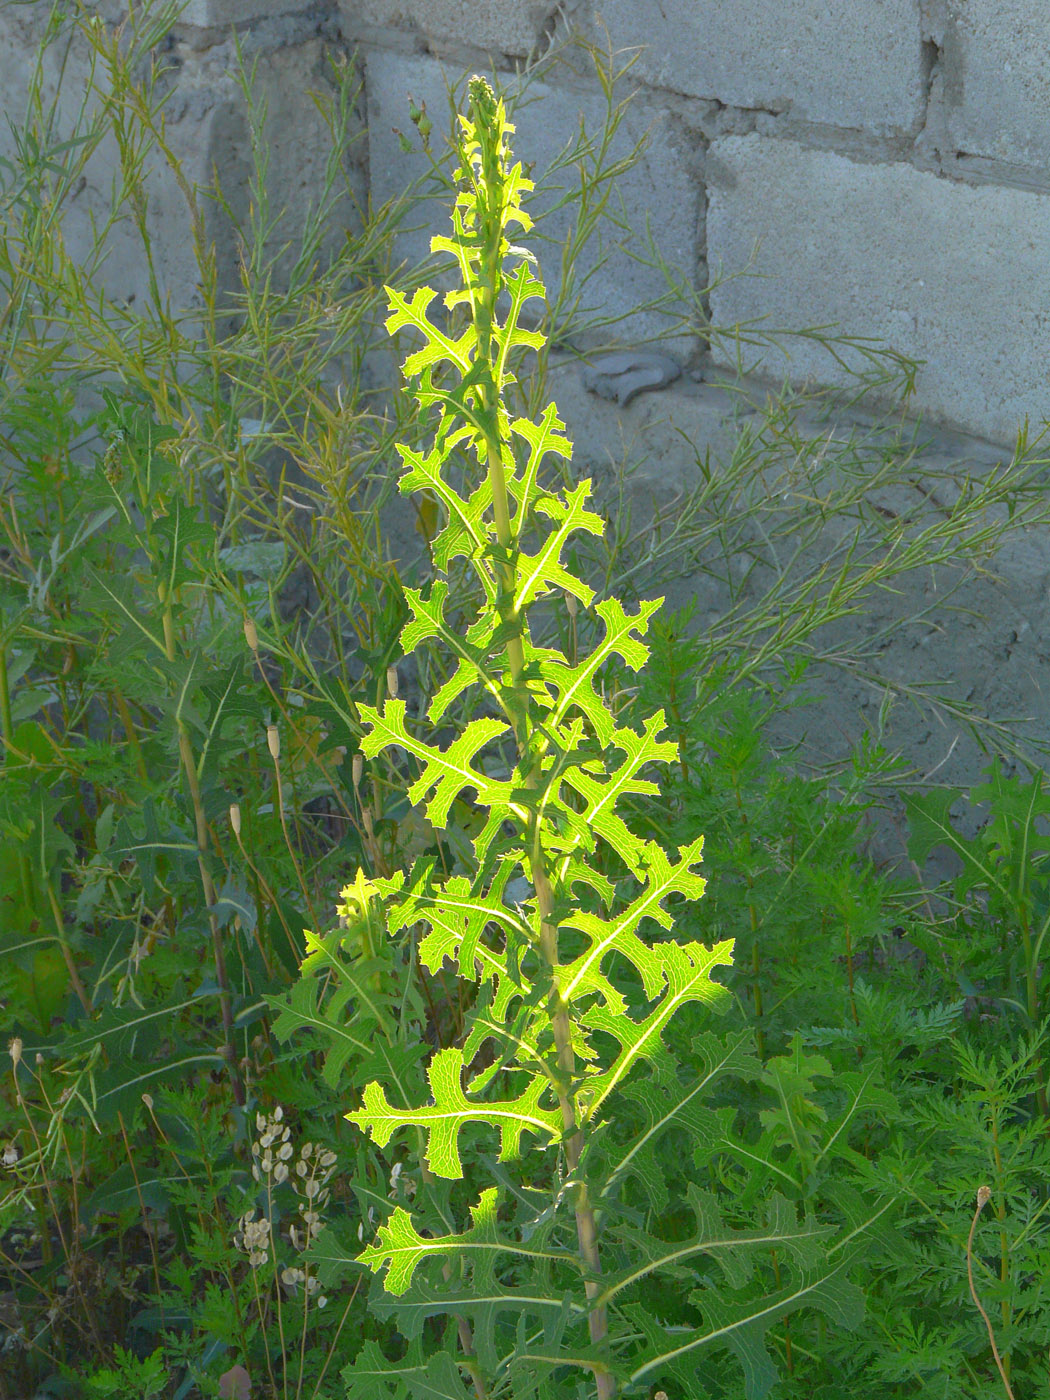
(7, 730)
(983, 1196)
(756, 956)
(1004, 1245)
(528, 752)
(129, 729)
(67, 951)
(849, 974)
(207, 884)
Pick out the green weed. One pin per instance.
(199, 611)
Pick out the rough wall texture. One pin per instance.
(199, 95)
(880, 163)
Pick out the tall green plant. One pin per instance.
(568, 979)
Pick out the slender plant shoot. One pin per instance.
(571, 983)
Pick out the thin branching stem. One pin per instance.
(984, 1195)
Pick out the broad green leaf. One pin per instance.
(688, 973)
(543, 437)
(733, 1250)
(372, 1377)
(742, 1325)
(447, 772)
(452, 1110)
(668, 1103)
(620, 933)
(413, 312)
(401, 1249)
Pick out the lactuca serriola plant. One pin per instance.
(518, 1256)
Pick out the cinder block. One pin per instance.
(217, 14)
(493, 25)
(206, 130)
(992, 84)
(992, 637)
(849, 63)
(61, 54)
(547, 121)
(296, 141)
(661, 434)
(952, 274)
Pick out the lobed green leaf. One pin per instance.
(452, 1110)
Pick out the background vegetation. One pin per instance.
(198, 593)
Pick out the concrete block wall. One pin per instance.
(879, 165)
(887, 159)
(876, 165)
(204, 123)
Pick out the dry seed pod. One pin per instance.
(358, 769)
(391, 682)
(250, 634)
(571, 604)
(273, 742)
(235, 818)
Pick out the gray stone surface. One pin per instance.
(491, 25)
(956, 275)
(205, 127)
(207, 14)
(965, 636)
(660, 185)
(627, 373)
(992, 84)
(660, 432)
(893, 176)
(296, 142)
(849, 63)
